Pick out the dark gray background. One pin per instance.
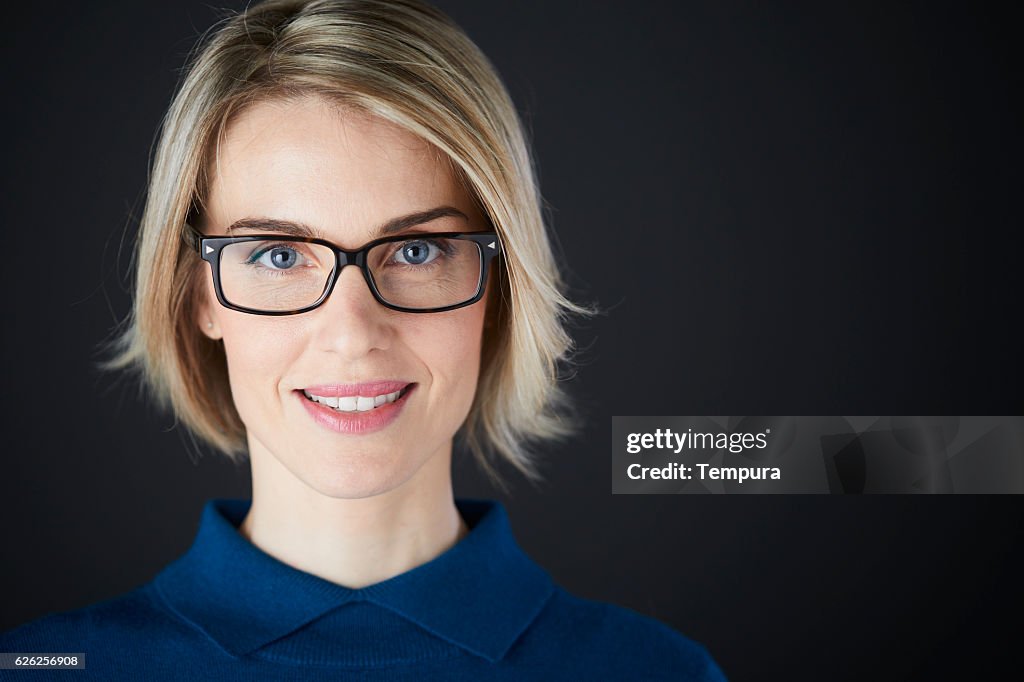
(804, 209)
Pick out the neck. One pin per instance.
(352, 542)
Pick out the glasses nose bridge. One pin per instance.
(344, 258)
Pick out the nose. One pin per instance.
(351, 322)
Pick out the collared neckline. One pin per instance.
(480, 594)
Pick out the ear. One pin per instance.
(205, 318)
(209, 326)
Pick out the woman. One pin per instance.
(306, 138)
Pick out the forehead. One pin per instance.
(343, 171)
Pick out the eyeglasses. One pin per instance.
(425, 272)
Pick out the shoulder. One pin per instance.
(623, 642)
(131, 616)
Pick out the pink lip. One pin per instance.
(356, 422)
(367, 390)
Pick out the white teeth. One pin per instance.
(354, 403)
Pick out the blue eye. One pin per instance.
(417, 252)
(276, 257)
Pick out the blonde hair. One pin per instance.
(407, 62)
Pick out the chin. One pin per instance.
(357, 478)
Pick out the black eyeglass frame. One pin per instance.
(209, 249)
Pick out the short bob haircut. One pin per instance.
(404, 61)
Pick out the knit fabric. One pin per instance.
(481, 610)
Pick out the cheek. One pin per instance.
(449, 347)
(259, 352)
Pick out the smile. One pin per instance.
(356, 414)
(356, 403)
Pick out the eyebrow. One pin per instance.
(299, 229)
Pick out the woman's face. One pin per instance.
(345, 174)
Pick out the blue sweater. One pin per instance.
(482, 610)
